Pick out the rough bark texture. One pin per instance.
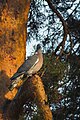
(13, 18)
(41, 97)
(13, 34)
(32, 90)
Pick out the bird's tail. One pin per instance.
(17, 79)
(15, 83)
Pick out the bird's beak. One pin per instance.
(36, 50)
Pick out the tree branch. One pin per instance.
(32, 89)
(63, 23)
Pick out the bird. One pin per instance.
(29, 67)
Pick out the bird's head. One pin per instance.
(38, 47)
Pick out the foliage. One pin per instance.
(56, 24)
(45, 26)
(61, 81)
(53, 71)
(69, 104)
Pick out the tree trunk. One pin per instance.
(13, 18)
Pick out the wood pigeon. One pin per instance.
(30, 66)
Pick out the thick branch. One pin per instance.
(41, 97)
(31, 90)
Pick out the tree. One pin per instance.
(56, 24)
(13, 20)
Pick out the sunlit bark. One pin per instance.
(32, 90)
(41, 97)
(13, 18)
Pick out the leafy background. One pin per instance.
(55, 24)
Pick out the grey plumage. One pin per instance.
(25, 66)
(31, 65)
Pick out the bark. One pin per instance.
(41, 98)
(32, 90)
(13, 18)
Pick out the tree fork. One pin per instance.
(32, 89)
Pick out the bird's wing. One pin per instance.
(28, 63)
(25, 66)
